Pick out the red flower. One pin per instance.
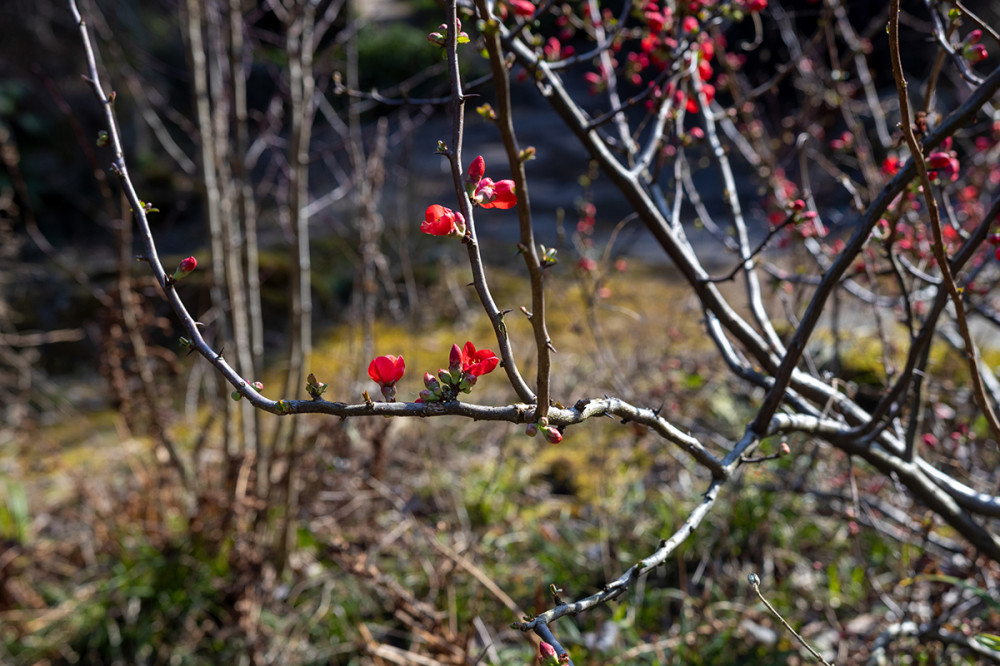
(891, 165)
(756, 5)
(522, 7)
(692, 103)
(441, 221)
(386, 370)
(944, 162)
(498, 195)
(478, 363)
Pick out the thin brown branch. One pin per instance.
(938, 247)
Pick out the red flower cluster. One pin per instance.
(485, 192)
(465, 366)
(441, 221)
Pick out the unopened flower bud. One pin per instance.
(547, 655)
(975, 53)
(431, 382)
(185, 268)
(552, 434)
(531, 429)
(455, 358)
(476, 171)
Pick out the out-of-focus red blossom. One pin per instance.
(586, 264)
(597, 80)
(704, 70)
(554, 49)
(524, 8)
(478, 363)
(441, 221)
(845, 140)
(690, 24)
(708, 90)
(944, 162)
(997, 254)
(891, 165)
(756, 5)
(707, 49)
(503, 195)
(975, 53)
(386, 370)
(655, 19)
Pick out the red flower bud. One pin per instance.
(547, 654)
(455, 357)
(975, 53)
(476, 170)
(185, 268)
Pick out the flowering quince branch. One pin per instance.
(797, 398)
(454, 156)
